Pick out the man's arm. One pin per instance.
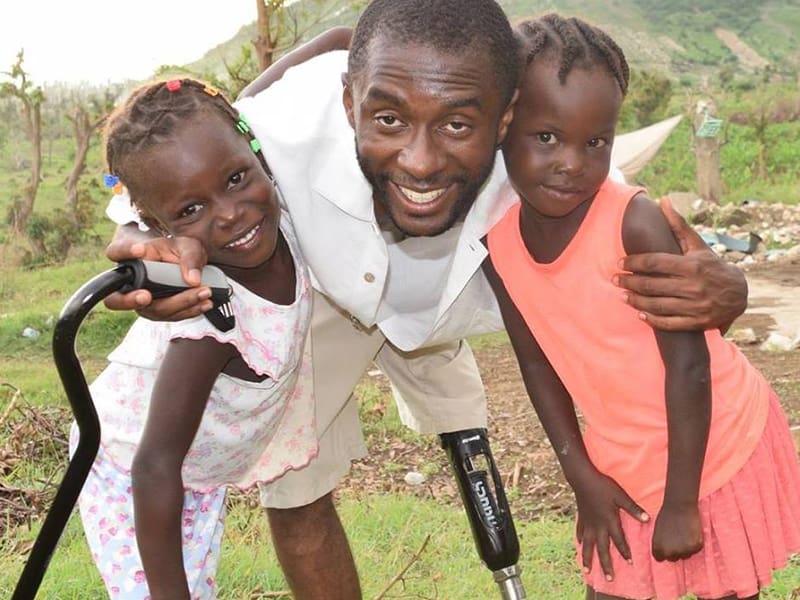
(693, 291)
(129, 242)
(336, 38)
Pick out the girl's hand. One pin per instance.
(599, 500)
(678, 533)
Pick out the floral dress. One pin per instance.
(251, 432)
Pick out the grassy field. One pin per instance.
(427, 541)
(673, 167)
(386, 532)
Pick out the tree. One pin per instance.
(649, 95)
(279, 26)
(31, 98)
(87, 116)
(770, 106)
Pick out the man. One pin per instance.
(391, 229)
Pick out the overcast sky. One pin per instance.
(101, 41)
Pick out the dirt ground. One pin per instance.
(529, 469)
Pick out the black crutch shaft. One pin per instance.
(77, 391)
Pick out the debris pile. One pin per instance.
(33, 452)
(749, 233)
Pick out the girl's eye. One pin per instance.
(546, 137)
(597, 143)
(235, 179)
(190, 210)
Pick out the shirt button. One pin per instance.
(369, 277)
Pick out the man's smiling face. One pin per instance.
(427, 125)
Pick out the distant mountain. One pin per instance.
(689, 36)
(681, 38)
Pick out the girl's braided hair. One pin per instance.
(575, 43)
(152, 114)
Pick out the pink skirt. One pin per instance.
(751, 526)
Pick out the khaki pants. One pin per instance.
(437, 389)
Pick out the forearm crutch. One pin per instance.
(162, 280)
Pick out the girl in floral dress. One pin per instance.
(186, 409)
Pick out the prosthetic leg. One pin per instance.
(487, 507)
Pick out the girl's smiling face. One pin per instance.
(207, 184)
(558, 148)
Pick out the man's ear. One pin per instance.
(506, 118)
(347, 99)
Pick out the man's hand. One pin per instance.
(681, 293)
(191, 256)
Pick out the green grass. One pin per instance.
(385, 532)
(489, 340)
(673, 168)
(33, 299)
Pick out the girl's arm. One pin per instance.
(599, 498)
(179, 398)
(688, 397)
(336, 38)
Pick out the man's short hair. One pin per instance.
(452, 26)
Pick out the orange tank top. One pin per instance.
(608, 360)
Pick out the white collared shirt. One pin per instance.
(422, 292)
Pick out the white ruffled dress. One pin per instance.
(250, 432)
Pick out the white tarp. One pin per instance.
(633, 150)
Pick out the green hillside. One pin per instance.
(682, 38)
(690, 36)
(213, 61)
(695, 42)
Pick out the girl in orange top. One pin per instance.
(681, 432)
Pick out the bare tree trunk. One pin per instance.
(761, 124)
(33, 125)
(82, 130)
(31, 99)
(707, 151)
(265, 41)
(279, 27)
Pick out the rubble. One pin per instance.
(776, 342)
(743, 337)
(766, 232)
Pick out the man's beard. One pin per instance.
(471, 187)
